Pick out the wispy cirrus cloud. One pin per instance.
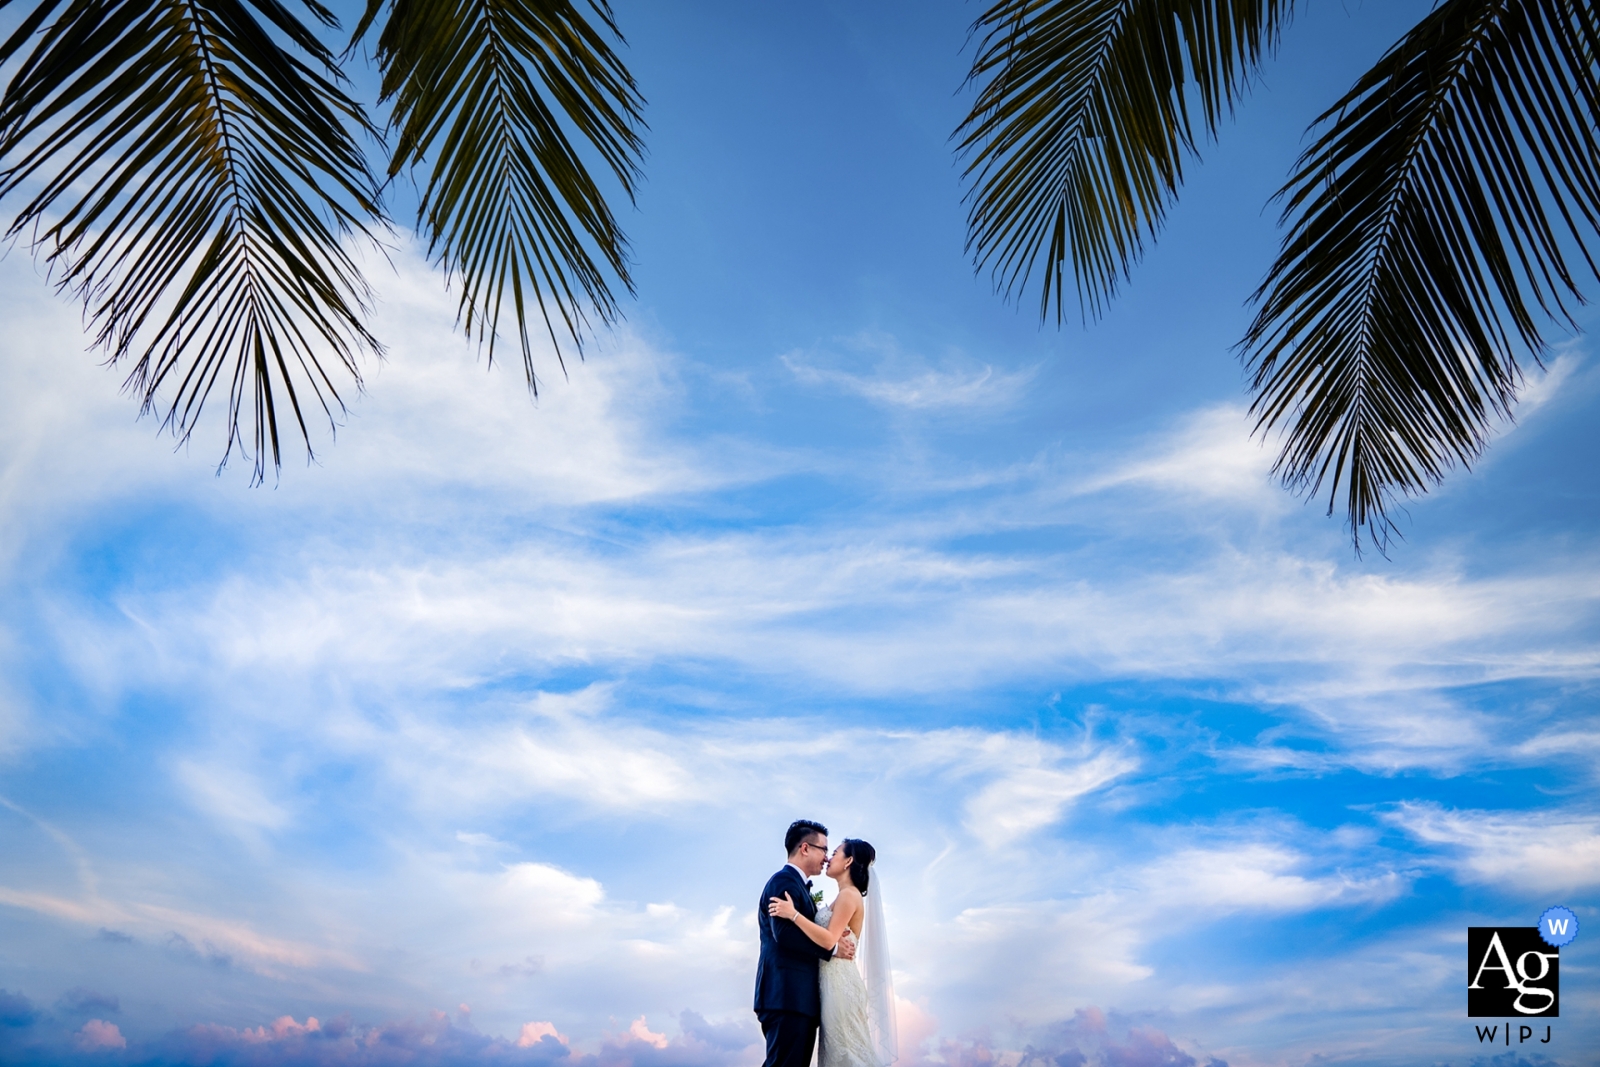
(1372, 659)
(1540, 851)
(904, 382)
(1211, 454)
(220, 938)
(452, 717)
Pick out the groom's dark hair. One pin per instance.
(799, 830)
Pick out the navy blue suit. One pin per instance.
(788, 1001)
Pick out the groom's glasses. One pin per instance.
(820, 848)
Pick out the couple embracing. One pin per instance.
(808, 976)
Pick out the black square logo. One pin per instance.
(1512, 973)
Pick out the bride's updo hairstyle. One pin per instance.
(861, 856)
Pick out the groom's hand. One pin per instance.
(845, 949)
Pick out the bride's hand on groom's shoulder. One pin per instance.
(782, 907)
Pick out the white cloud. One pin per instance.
(850, 610)
(534, 1032)
(1090, 926)
(222, 938)
(385, 625)
(550, 893)
(909, 384)
(1260, 876)
(556, 747)
(97, 1035)
(227, 793)
(1559, 742)
(432, 415)
(1211, 455)
(1542, 386)
(863, 603)
(1028, 960)
(1028, 798)
(1539, 851)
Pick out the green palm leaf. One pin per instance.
(190, 179)
(1078, 134)
(1444, 200)
(509, 205)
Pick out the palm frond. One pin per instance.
(190, 179)
(509, 206)
(1077, 138)
(1441, 205)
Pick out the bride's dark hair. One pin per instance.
(861, 856)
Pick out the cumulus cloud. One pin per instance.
(437, 1041)
(500, 926)
(97, 1035)
(1087, 1039)
(535, 1032)
(433, 1040)
(639, 1030)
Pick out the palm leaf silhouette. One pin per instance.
(1450, 194)
(1077, 138)
(191, 179)
(1438, 220)
(485, 88)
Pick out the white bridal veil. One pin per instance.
(880, 984)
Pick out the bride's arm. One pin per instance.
(826, 936)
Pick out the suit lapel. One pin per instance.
(807, 906)
(799, 893)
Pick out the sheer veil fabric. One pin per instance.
(880, 981)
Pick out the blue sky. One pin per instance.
(475, 739)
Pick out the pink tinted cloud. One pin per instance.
(641, 1033)
(916, 1027)
(436, 1041)
(1088, 1039)
(282, 1028)
(533, 1033)
(97, 1035)
(28, 1038)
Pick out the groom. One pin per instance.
(788, 1002)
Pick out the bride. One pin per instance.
(858, 1024)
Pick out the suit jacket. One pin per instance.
(786, 976)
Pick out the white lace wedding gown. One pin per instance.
(846, 1039)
